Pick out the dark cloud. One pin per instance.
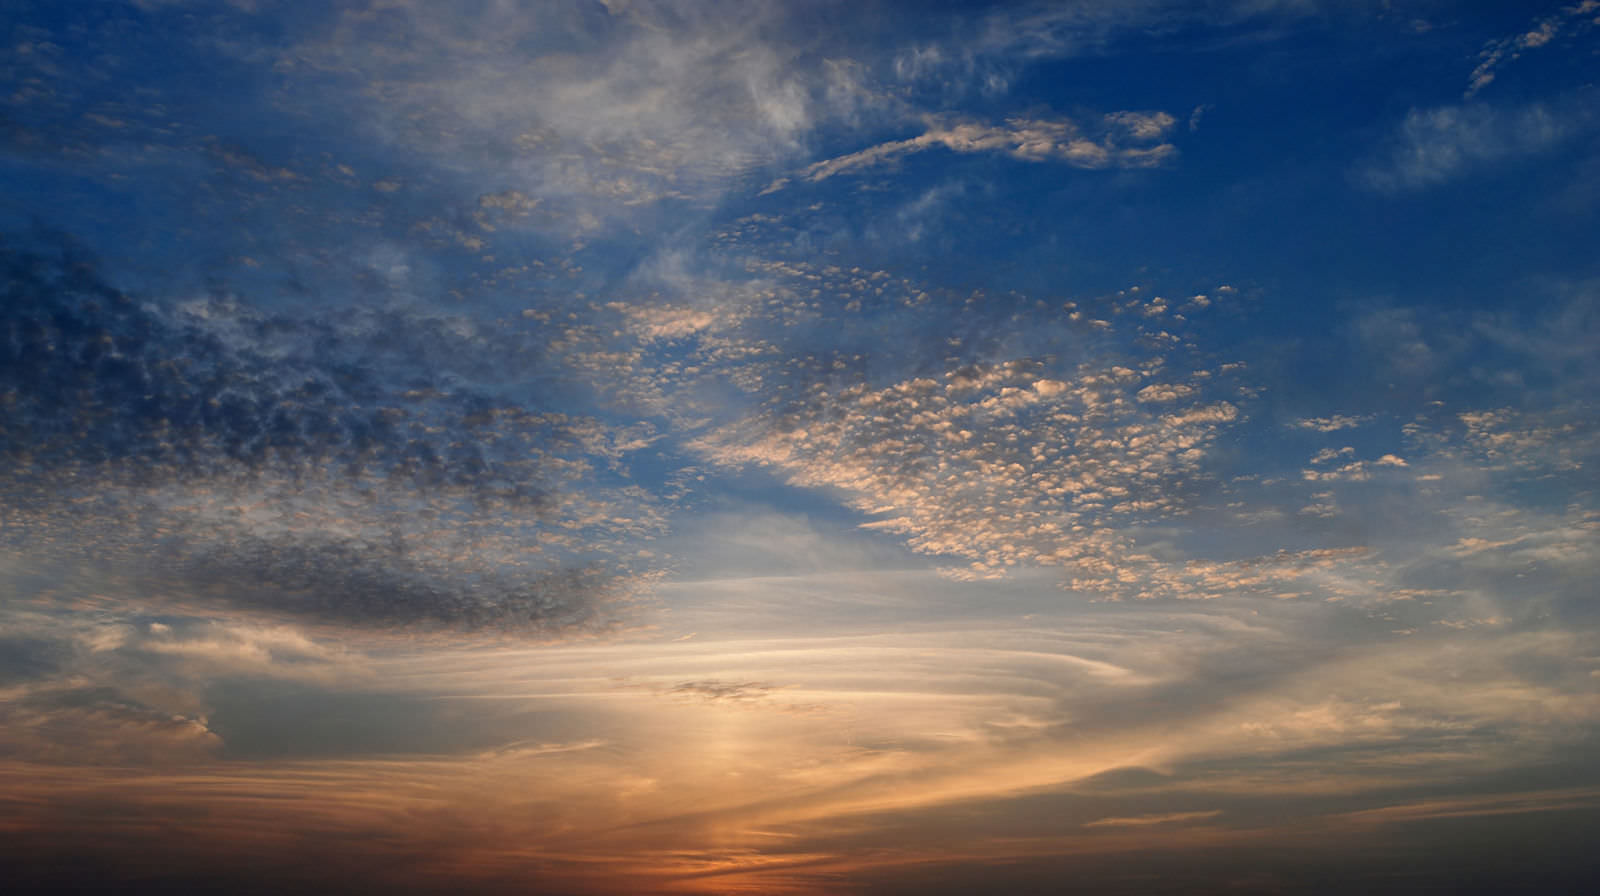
(92, 724)
(26, 658)
(383, 466)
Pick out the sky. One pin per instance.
(878, 447)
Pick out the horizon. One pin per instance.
(696, 447)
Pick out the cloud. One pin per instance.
(1002, 464)
(220, 649)
(228, 512)
(94, 726)
(592, 109)
(374, 467)
(113, 688)
(1498, 53)
(1081, 731)
(665, 322)
(1126, 821)
(1122, 140)
(1050, 30)
(1436, 145)
(1108, 471)
(1329, 424)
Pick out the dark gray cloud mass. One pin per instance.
(383, 465)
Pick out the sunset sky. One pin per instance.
(578, 447)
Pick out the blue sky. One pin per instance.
(697, 447)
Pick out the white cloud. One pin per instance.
(1165, 392)
(1432, 146)
(1122, 140)
(994, 464)
(1332, 423)
(1435, 144)
(1497, 53)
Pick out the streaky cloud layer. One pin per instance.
(682, 446)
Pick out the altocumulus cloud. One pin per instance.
(372, 468)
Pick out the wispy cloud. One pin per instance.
(1432, 146)
(1102, 724)
(1122, 140)
(1135, 821)
(1496, 54)
(1329, 424)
